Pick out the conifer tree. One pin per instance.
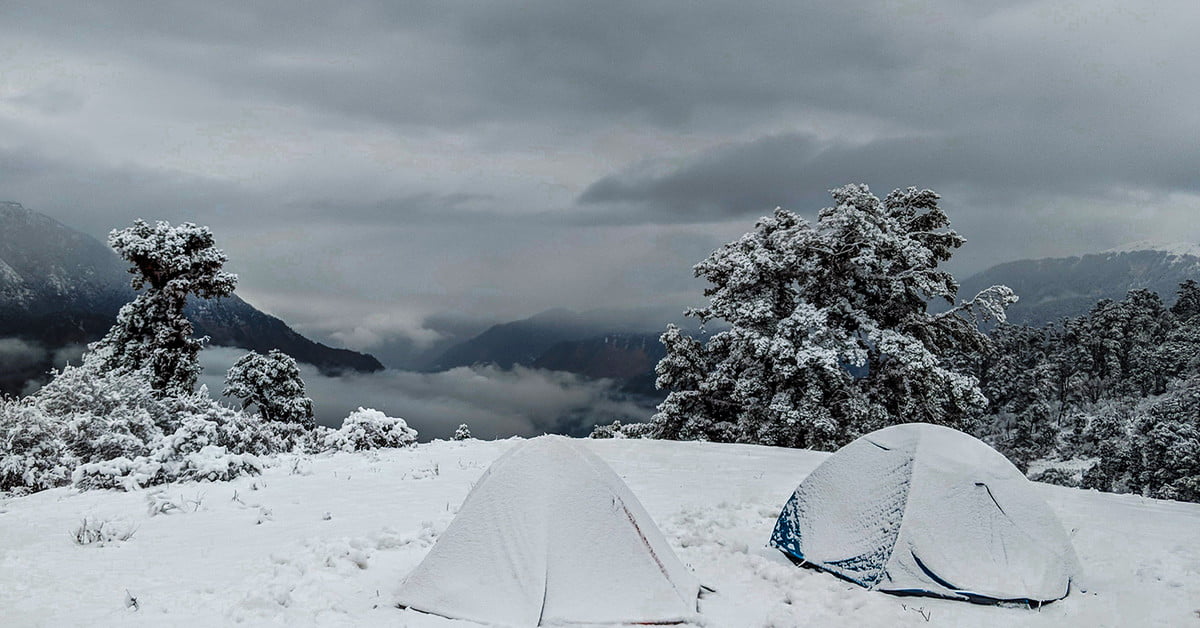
(170, 263)
(271, 382)
(830, 330)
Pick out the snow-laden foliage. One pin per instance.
(830, 332)
(462, 433)
(1152, 448)
(82, 416)
(211, 442)
(366, 428)
(272, 383)
(33, 456)
(169, 263)
(616, 429)
(112, 430)
(104, 414)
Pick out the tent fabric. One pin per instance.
(924, 509)
(550, 535)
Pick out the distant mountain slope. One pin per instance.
(1056, 287)
(519, 342)
(60, 287)
(593, 344)
(618, 356)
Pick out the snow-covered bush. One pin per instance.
(366, 428)
(212, 443)
(272, 383)
(462, 433)
(33, 456)
(618, 430)
(210, 463)
(1057, 476)
(104, 414)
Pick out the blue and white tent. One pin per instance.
(928, 510)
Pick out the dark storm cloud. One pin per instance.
(369, 165)
(462, 63)
(95, 198)
(795, 170)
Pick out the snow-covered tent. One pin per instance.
(550, 534)
(928, 510)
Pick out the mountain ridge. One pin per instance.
(1053, 287)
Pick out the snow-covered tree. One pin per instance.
(272, 383)
(830, 332)
(462, 433)
(170, 263)
(1187, 302)
(1151, 447)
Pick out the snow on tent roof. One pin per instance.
(924, 509)
(550, 534)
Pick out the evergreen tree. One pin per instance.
(151, 332)
(830, 332)
(462, 433)
(1187, 302)
(1179, 354)
(272, 382)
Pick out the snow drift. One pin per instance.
(551, 534)
(924, 509)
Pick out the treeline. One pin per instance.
(1114, 395)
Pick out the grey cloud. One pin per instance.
(794, 170)
(17, 354)
(49, 100)
(432, 63)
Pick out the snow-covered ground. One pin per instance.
(327, 540)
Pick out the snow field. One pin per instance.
(327, 540)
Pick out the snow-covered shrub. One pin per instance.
(314, 439)
(1055, 475)
(32, 455)
(272, 383)
(210, 463)
(462, 433)
(202, 421)
(370, 429)
(103, 414)
(112, 429)
(212, 443)
(618, 430)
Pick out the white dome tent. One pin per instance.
(550, 534)
(928, 510)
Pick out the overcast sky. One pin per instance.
(392, 170)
